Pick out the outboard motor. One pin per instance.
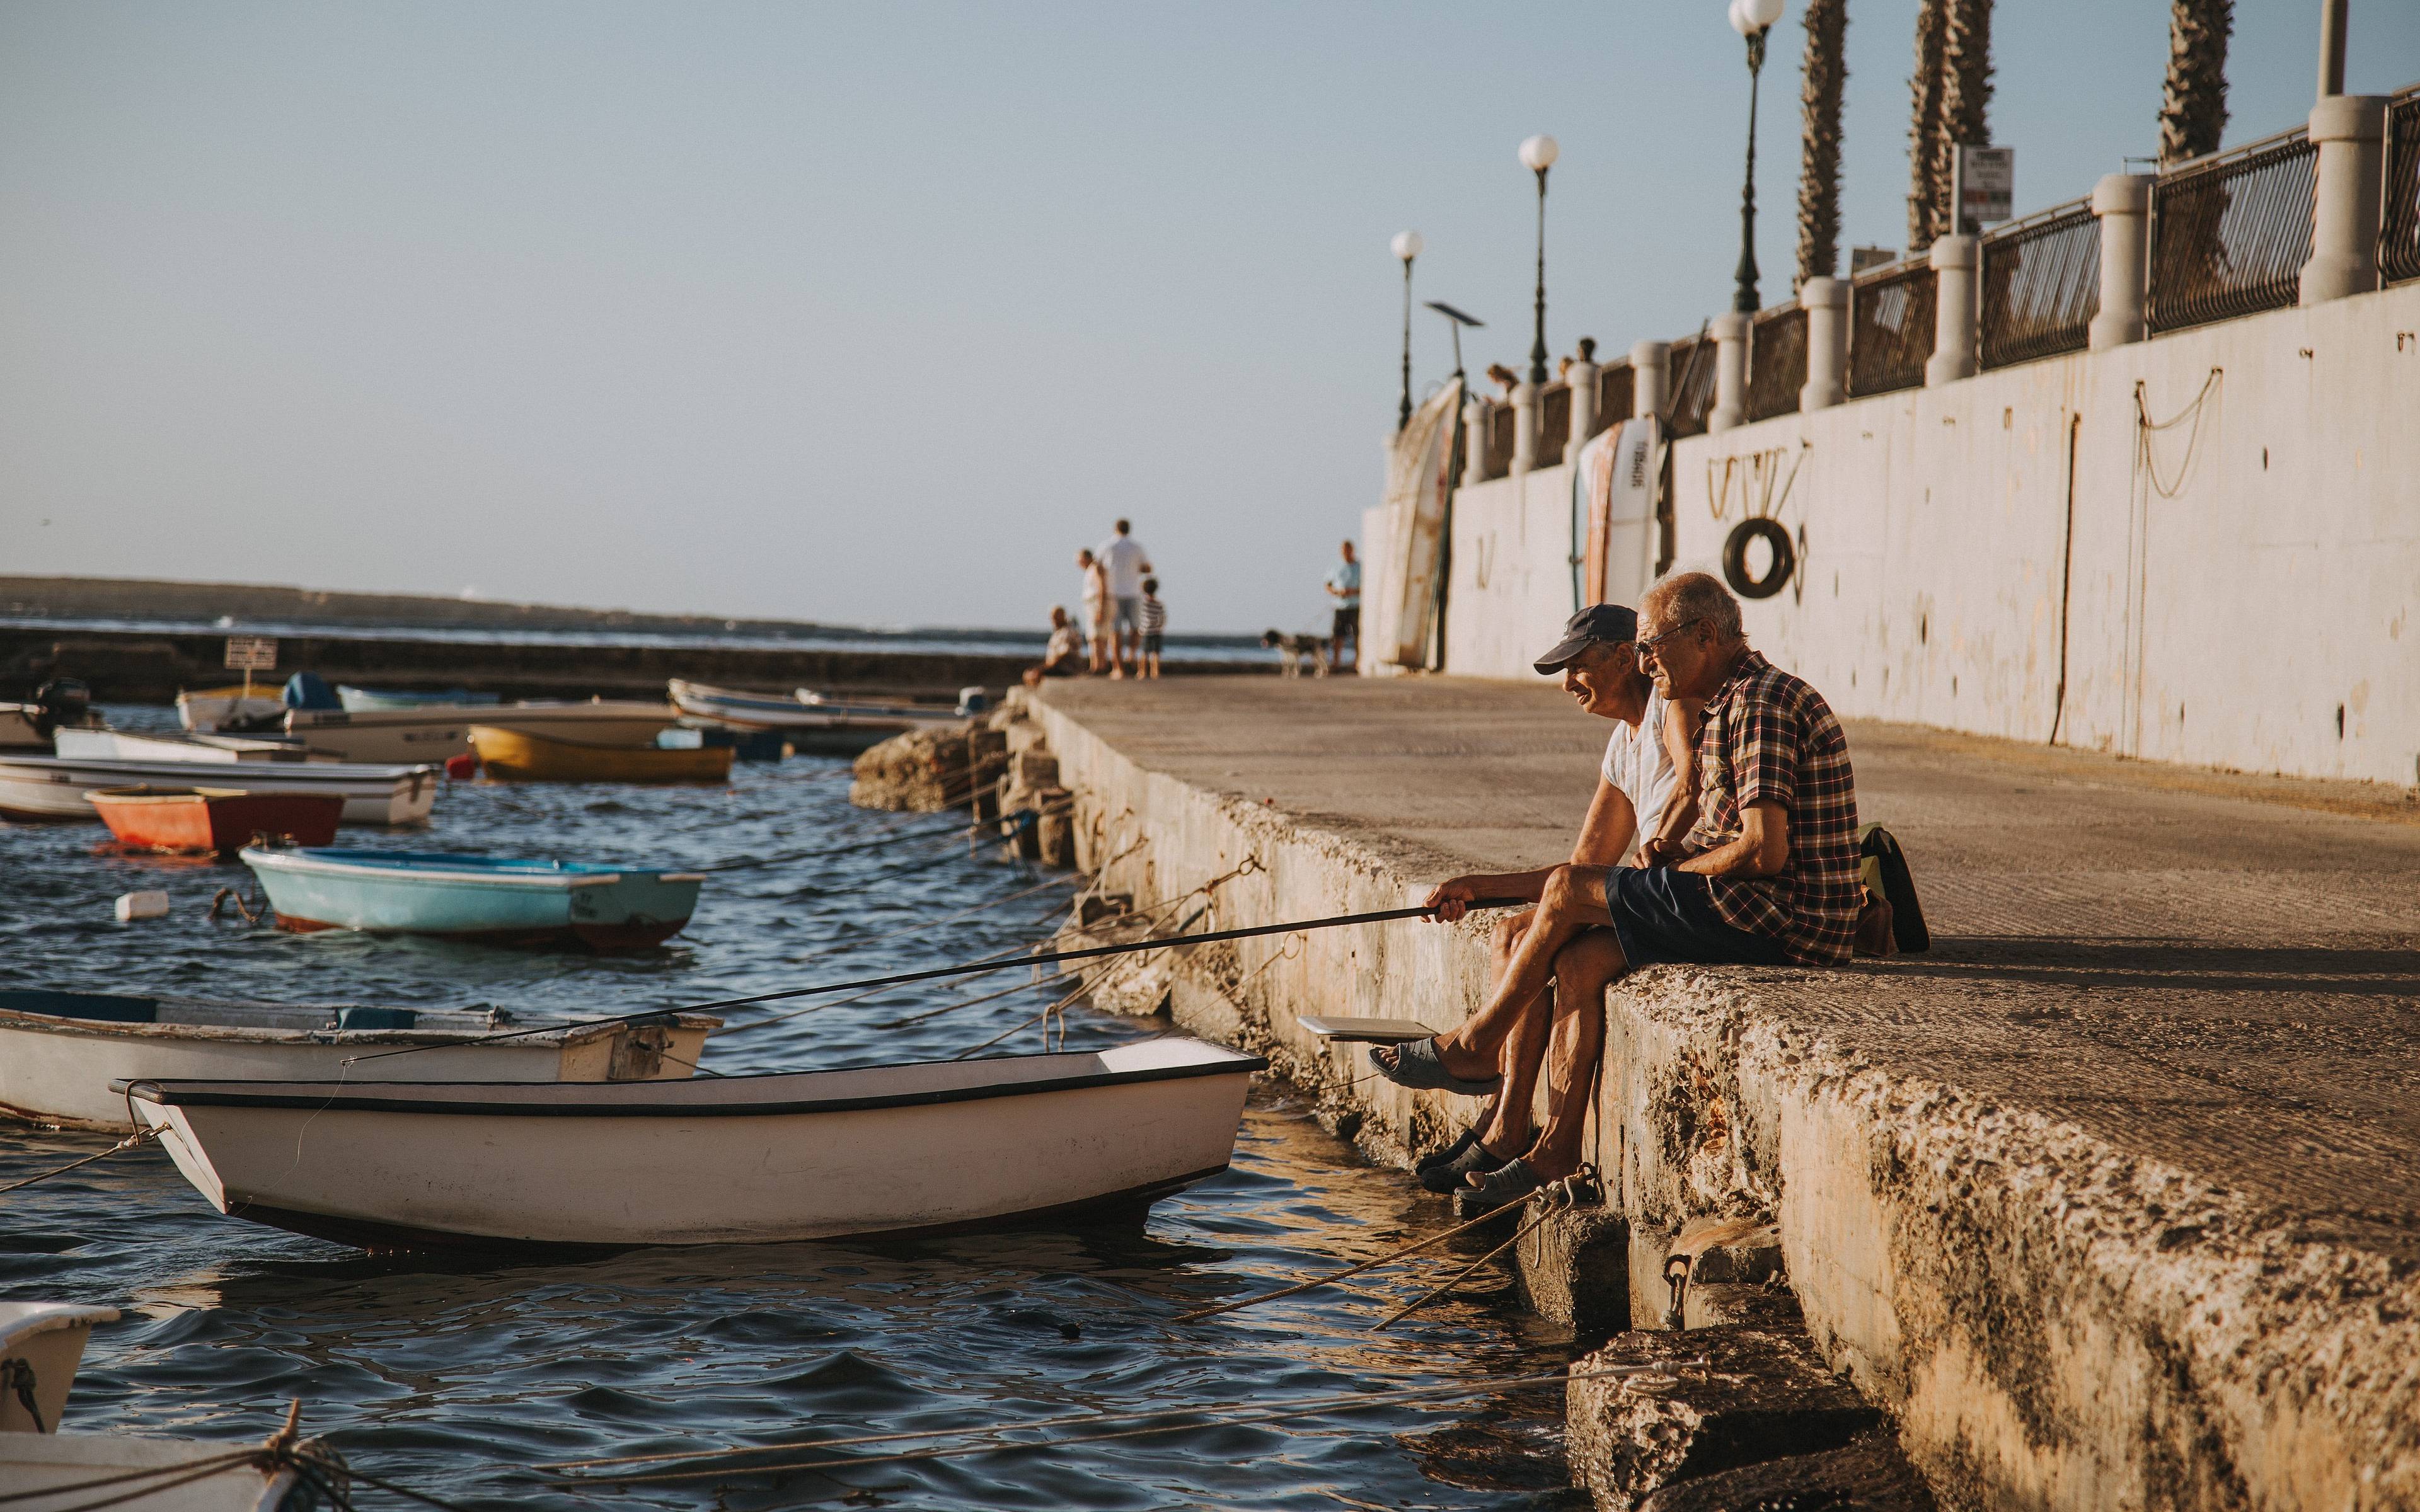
(972, 701)
(62, 702)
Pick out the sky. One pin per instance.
(872, 313)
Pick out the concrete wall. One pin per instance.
(2238, 577)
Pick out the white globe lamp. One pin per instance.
(1407, 244)
(1538, 153)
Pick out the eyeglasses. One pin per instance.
(1646, 647)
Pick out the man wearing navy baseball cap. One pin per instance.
(1766, 875)
(1641, 807)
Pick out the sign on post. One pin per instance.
(1987, 184)
(250, 653)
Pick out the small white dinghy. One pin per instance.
(61, 1051)
(880, 1150)
(43, 1470)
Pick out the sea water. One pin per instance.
(455, 1376)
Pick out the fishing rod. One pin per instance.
(1091, 952)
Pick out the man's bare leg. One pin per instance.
(1583, 969)
(1504, 1131)
(1573, 901)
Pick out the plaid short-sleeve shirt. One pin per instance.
(1768, 736)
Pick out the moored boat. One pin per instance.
(496, 900)
(366, 700)
(813, 722)
(53, 787)
(919, 1149)
(218, 821)
(517, 756)
(45, 1470)
(255, 706)
(434, 731)
(59, 1051)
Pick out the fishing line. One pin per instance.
(976, 967)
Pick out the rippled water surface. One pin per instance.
(457, 1377)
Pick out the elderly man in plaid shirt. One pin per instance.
(1767, 877)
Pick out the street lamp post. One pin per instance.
(1751, 19)
(1407, 246)
(1538, 155)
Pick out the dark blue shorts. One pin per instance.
(1663, 914)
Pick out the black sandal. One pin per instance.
(1436, 1158)
(1475, 1161)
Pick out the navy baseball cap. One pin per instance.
(1597, 625)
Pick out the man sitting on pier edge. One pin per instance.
(1767, 877)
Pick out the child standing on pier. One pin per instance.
(1155, 620)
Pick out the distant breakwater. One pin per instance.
(143, 666)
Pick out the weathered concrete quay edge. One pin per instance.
(2111, 1199)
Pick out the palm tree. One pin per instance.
(1818, 153)
(1924, 128)
(1965, 96)
(2192, 107)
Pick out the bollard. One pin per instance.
(1826, 303)
(1953, 311)
(148, 903)
(1731, 373)
(2350, 132)
(2121, 202)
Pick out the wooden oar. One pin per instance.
(972, 969)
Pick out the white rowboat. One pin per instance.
(53, 787)
(437, 730)
(60, 1051)
(919, 1149)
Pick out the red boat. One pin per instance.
(192, 821)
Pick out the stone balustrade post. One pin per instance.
(1731, 373)
(1582, 379)
(1474, 440)
(2122, 202)
(2350, 132)
(1651, 367)
(1826, 303)
(1524, 427)
(1953, 311)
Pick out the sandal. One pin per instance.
(1418, 1067)
(1508, 1184)
(1436, 1158)
(1474, 1161)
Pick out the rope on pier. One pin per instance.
(139, 1137)
(1218, 1414)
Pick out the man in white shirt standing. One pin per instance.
(1646, 798)
(1124, 560)
(1345, 586)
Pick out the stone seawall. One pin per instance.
(2083, 1263)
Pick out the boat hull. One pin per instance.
(435, 732)
(602, 910)
(419, 1166)
(517, 756)
(213, 821)
(33, 1463)
(53, 788)
(208, 709)
(57, 1070)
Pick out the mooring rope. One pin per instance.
(1554, 1197)
(977, 967)
(139, 1137)
(1301, 1407)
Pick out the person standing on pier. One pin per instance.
(1096, 607)
(1127, 564)
(1768, 876)
(1345, 586)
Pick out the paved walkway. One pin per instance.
(2218, 972)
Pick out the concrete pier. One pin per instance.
(2111, 1199)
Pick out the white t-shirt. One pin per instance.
(1122, 557)
(1637, 762)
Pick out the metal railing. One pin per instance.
(2230, 233)
(1498, 460)
(2041, 285)
(1554, 423)
(1890, 327)
(1690, 379)
(1777, 362)
(2398, 224)
(1617, 390)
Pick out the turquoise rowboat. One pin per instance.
(497, 900)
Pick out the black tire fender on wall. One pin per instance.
(1785, 558)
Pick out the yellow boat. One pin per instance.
(515, 756)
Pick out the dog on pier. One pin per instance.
(1297, 651)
